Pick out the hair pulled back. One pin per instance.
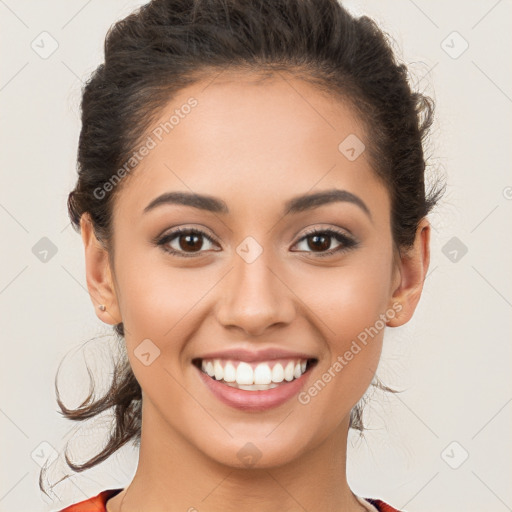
(166, 45)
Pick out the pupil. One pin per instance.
(189, 241)
(325, 245)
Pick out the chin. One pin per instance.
(258, 451)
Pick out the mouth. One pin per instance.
(254, 385)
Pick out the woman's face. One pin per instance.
(252, 283)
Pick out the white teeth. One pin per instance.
(244, 374)
(278, 373)
(262, 374)
(219, 371)
(288, 371)
(229, 373)
(258, 387)
(208, 368)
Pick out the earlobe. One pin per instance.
(413, 265)
(98, 275)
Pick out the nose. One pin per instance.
(255, 297)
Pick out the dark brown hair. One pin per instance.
(166, 45)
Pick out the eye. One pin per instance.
(188, 242)
(185, 242)
(320, 242)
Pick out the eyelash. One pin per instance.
(346, 241)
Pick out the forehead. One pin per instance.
(249, 139)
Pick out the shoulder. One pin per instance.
(95, 504)
(381, 506)
(98, 503)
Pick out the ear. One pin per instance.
(98, 274)
(410, 272)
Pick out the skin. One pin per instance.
(254, 145)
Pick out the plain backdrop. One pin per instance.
(442, 444)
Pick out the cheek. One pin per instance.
(349, 306)
(162, 304)
(155, 297)
(158, 305)
(348, 299)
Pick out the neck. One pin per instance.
(172, 475)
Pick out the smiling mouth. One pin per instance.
(254, 376)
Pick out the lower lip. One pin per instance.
(260, 400)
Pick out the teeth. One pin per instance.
(229, 373)
(278, 373)
(254, 387)
(262, 374)
(217, 368)
(288, 371)
(209, 369)
(244, 376)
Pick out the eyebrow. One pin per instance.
(294, 205)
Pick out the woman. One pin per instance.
(252, 205)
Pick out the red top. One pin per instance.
(97, 503)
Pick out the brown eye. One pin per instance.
(190, 241)
(186, 242)
(320, 241)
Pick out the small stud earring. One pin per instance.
(102, 307)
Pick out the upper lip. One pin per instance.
(266, 354)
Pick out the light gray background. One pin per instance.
(453, 359)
